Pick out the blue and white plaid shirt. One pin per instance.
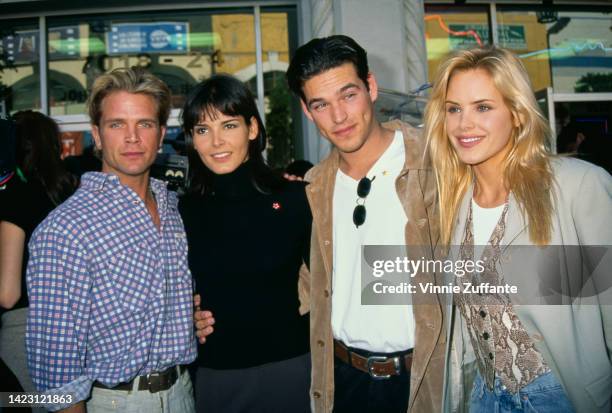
(110, 293)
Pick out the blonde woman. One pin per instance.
(498, 186)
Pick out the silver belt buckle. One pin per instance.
(374, 359)
(154, 386)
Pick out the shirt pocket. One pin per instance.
(178, 247)
(134, 274)
(180, 273)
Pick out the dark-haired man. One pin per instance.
(365, 358)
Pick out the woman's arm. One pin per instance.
(12, 240)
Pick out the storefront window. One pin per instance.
(568, 50)
(19, 66)
(449, 28)
(181, 48)
(275, 39)
(235, 53)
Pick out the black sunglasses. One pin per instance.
(363, 190)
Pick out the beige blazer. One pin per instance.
(417, 193)
(575, 338)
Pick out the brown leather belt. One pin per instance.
(378, 366)
(153, 382)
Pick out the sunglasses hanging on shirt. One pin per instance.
(363, 190)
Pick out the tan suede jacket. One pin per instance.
(417, 192)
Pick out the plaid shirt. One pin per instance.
(110, 294)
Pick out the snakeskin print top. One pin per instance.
(502, 346)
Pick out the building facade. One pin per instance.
(52, 51)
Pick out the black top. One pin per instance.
(25, 205)
(245, 251)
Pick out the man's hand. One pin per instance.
(203, 320)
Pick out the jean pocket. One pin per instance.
(478, 391)
(552, 400)
(105, 400)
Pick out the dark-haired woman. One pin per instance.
(39, 184)
(248, 233)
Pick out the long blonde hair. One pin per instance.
(527, 172)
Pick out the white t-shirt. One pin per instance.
(484, 221)
(377, 328)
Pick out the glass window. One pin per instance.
(449, 28)
(235, 49)
(72, 143)
(19, 66)
(568, 50)
(276, 39)
(181, 48)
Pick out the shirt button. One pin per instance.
(485, 335)
(483, 314)
(326, 293)
(320, 343)
(326, 242)
(316, 395)
(491, 356)
(503, 387)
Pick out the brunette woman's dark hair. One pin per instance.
(228, 95)
(38, 154)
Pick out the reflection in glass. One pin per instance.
(279, 118)
(449, 28)
(181, 48)
(568, 50)
(19, 66)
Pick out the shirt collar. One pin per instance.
(100, 181)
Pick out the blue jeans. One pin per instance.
(543, 395)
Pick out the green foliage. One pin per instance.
(279, 126)
(594, 82)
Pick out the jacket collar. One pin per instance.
(322, 180)
(415, 156)
(320, 192)
(515, 223)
